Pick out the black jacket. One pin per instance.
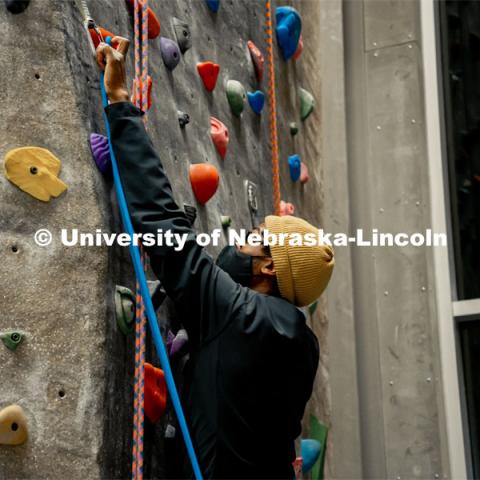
(255, 358)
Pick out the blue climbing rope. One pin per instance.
(151, 316)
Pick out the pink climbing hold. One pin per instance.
(208, 72)
(304, 176)
(257, 59)
(219, 133)
(299, 49)
(286, 208)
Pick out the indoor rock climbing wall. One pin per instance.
(72, 374)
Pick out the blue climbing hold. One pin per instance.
(213, 5)
(289, 28)
(310, 452)
(256, 101)
(295, 165)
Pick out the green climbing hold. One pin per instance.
(319, 432)
(236, 96)
(226, 221)
(307, 102)
(312, 307)
(12, 339)
(125, 309)
(293, 128)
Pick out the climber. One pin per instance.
(253, 358)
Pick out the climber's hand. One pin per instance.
(112, 62)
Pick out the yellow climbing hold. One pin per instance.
(35, 171)
(13, 426)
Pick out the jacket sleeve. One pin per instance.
(205, 295)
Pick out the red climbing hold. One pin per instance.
(208, 72)
(96, 39)
(204, 179)
(149, 94)
(299, 49)
(219, 133)
(155, 393)
(286, 208)
(153, 23)
(257, 59)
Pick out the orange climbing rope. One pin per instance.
(140, 89)
(273, 109)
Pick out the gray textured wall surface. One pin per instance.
(62, 297)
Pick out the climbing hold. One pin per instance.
(294, 163)
(226, 221)
(155, 402)
(13, 426)
(257, 59)
(256, 101)
(213, 5)
(12, 339)
(289, 28)
(204, 179)
(307, 102)
(208, 72)
(176, 343)
(219, 133)
(101, 152)
(304, 177)
(96, 38)
(35, 171)
(286, 208)
(183, 118)
(190, 213)
(297, 467)
(299, 49)
(170, 53)
(149, 92)
(293, 128)
(16, 6)
(236, 96)
(310, 452)
(153, 23)
(182, 33)
(313, 307)
(125, 309)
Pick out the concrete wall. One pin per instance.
(62, 297)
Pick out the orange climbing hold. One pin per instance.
(13, 426)
(257, 59)
(208, 72)
(155, 393)
(149, 94)
(104, 33)
(219, 133)
(204, 179)
(153, 22)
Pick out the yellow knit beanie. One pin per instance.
(303, 271)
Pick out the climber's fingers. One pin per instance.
(123, 44)
(104, 53)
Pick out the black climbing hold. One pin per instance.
(16, 6)
(182, 33)
(190, 212)
(183, 118)
(170, 52)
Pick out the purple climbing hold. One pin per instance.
(170, 52)
(176, 343)
(101, 153)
